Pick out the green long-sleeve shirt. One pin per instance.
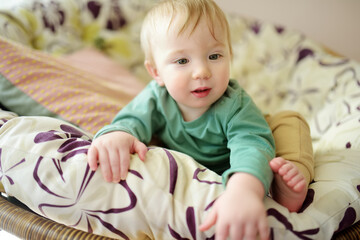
(231, 136)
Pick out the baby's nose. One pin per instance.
(202, 72)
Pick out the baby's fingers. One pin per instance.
(250, 232)
(264, 230)
(105, 164)
(140, 148)
(114, 165)
(124, 164)
(237, 232)
(222, 231)
(210, 221)
(92, 158)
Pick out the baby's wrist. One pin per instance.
(246, 183)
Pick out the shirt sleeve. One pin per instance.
(137, 118)
(250, 141)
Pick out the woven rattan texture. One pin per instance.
(28, 225)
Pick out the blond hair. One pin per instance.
(163, 15)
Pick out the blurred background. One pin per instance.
(334, 23)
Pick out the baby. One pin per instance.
(194, 108)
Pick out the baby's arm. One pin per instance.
(112, 152)
(239, 213)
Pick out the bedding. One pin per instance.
(44, 138)
(50, 87)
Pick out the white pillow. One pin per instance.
(43, 164)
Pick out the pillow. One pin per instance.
(43, 164)
(34, 83)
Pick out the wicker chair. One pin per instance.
(18, 220)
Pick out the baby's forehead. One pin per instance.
(180, 25)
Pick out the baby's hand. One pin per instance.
(239, 213)
(112, 152)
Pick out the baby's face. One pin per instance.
(194, 67)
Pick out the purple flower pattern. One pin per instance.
(305, 234)
(303, 53)
(2, 122)
(191, 224)
(74, 143)
(116, 18)
(308, 200)
(196, 173)
(345, 86)
(53, 15)
(348, 219)
(256, 27)
(3, 172)
(173, 171)
(303, 95)
(94, 8)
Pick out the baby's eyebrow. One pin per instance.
(219, 44)
(175, 53)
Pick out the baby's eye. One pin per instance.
(214, 56)
(182, 61)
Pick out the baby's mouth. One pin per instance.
(201, 92)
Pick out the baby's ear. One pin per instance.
(152, 70)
